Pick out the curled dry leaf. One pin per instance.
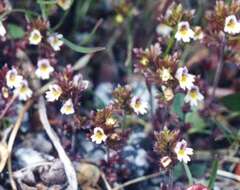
(3, 155)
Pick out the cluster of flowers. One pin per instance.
(43, 71)
(109, 123)
(35, 37)
(67, 88)
(163, 72)
(171, 148)
(185, 33)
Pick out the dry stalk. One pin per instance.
(69, 169)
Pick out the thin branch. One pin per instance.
(137, 180)
(13, 137)
(105, 181)
(5, 110)
(228, 175)
(69, 169)
(219, 68)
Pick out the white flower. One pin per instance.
(23, 91)
(35, 37)
(164, 30)
(193, 96)
(184, 78)
(44, 69)
(79, 82)
(232, 26)
(165, 74)
(183, 151)
(98, 135)
(184, 32)
(13, 79)
(55, 40)
(111, 122)
(2, 30)
(64, 4)
(198, 33)
(54, 93)
(67, 108)
(139, 106)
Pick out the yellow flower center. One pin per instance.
(144, 61)
(183, 30)
(56, 93)
(138, 104)
(193, 94)
(44, 67)
(36, 37)
(68, 108)
(99, 135)
(119, 18)
(23, 89)
(231, 24)
(184, 78)
(181, 152)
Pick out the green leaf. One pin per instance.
(177, 105)
(198, 169)
(15, 32)
(198, 124)
(81, 49)
(232, 102)
(188, 173)
(177, 171)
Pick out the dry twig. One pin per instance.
(69, 169)
(137, 180)
(13, 137)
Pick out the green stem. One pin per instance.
(188, 173)
(213, 174)
(43, 9)
(46, 2)
(170, 44)
(61, 21)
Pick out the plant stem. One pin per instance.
(43, 9)
(188, 173)
(219, 68)
(170, 44)
(213, 174)
(137, 180)
(170, 179)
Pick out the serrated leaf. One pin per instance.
(81, 49)
(15, 31)
(232, 102)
